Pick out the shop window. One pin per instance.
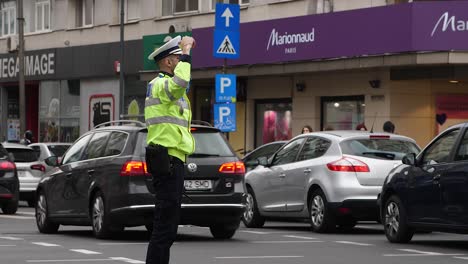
(131, 10)
(8, 18)
(171, 7)
(134, 98)
(42, 13)
(203, 103)
(239, 2)
(273, 121)
(59, 111)
(342, 113)
(84, 13)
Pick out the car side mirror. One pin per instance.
(263, 161)
(52, 161)
(409, 159)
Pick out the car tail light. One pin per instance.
(134, 168)
(6, 195)
(7, 165)
(38, 167)
(379, 137)
(348, 164)
(233, 167)
(193, 129)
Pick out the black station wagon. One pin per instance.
(102, 181)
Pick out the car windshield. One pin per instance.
(58, 150)
(23, 155)
(390, 149)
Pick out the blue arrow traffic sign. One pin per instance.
(225, 117)
(227, 17)
(226, 44)
(225, 91)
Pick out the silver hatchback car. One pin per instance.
(331, 177)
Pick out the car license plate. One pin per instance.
(197, 185)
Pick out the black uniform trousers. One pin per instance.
(169, 189)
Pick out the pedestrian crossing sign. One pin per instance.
(226, 44)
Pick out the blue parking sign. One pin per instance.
(225, 91)
(225, 117)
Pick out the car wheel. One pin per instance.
(10, 207)
(251, 216)
(102, 227)
(396, 225)
(44, 224)
(222, 232)
(322, 219)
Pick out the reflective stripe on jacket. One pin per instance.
(168, 114)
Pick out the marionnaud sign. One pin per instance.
(417, 26)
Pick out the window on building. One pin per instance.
(42, 15)
(273, 121)
(131, 10)
(171, 7)
(8, 18)
(324, 6)
(342, 113)
(239, 2)
(84, 13)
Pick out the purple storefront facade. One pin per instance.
(346, 68)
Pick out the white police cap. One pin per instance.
(170, 47)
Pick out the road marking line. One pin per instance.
(133, 261)
(116, 244)
(45, 244)
(65, 260)
(26, 213)
(353, 243)
(303, 237)
(257, 257)
(418, 253)
(11, 238)
(255, 232)
(7, 245)
(465, 258)
(16, 217)
(85, 251)
(278, 242)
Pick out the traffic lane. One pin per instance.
(195, 244)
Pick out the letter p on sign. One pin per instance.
(225, 91)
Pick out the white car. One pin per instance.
(30, 169)
(332, 178)
(48, 149)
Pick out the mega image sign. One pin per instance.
(37, 65)
(419, 26)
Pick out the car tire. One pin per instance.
(321, 218)
(251, 216)
(10, 207)
(395, 221)
(222, 231)
(102, 227)
(43, 222)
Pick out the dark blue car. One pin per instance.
(429, 191)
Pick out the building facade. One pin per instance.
(324, 63)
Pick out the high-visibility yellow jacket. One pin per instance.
(168, 114)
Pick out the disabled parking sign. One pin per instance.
(225, 117)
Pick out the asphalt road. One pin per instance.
(276, 243)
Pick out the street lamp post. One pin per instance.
(22, 92)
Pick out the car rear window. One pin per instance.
(390, 149)
(58, 150)
(3, 152)
(207, 144)
(23, 155)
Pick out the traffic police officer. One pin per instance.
(168, 117)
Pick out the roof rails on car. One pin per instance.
(122, 122)
(201, 122)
